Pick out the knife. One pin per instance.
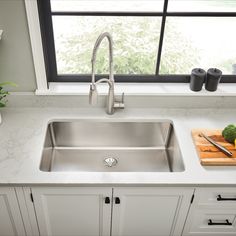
(217, 145)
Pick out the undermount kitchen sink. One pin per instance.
(108, 146)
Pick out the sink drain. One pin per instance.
(110, 161)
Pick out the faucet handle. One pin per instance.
(120, 104)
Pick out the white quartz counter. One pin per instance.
(22, 134)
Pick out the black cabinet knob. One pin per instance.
(107, 200)
(117, 200)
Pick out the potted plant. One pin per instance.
(3, 94)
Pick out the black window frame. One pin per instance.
(45, 17)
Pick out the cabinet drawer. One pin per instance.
(217, 196)
(211, 222)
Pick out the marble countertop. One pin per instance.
(22, 134)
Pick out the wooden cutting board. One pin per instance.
(210, 155)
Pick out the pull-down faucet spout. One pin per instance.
(111, 103)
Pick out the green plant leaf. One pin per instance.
(4, 93)
(8, 83)
(2, 104)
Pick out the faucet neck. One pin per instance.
(94, 55)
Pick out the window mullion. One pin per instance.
(161, 37)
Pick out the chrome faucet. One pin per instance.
(112, 104)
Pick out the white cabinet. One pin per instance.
(149, 211)
(72, 211)
(129, 211)
(119, 211)
(212, 213)
(10, 217)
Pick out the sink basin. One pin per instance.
(104, 146)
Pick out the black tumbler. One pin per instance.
(197, 79)
(213, 79)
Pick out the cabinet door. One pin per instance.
(10, 217)
(149, 211)
(73, 211)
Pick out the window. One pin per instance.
(154, 40)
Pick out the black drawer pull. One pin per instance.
(117, 200)
(107, 200)
(219, 198)
(223, 223)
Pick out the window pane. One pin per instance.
(198, 42)
(135, 43)
(107, 5)
(202, 5)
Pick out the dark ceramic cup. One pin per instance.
(212, 79)
(197, 79)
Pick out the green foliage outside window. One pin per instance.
(135, 51)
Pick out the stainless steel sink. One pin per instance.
(111, 147)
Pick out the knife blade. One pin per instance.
(217, 145)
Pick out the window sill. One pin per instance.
(148, 89)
